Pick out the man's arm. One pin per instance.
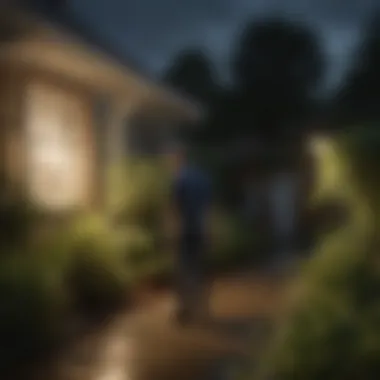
(173, 222)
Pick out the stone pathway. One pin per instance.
(148, 345)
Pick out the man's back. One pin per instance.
(192, 196)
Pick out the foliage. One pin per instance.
(98, 277)
(275, 46)
(81, 268)
(192, 73)
(276, 68)
(357, 99)
(33, 296)
(94, 258)
(148, 244)
(271, 94)
(16, 219)
(267, 93)
(90, 265)
(139, 191)
(231, 241)
(331, 329)
(141, 212)
(87, 266)
(34, 304)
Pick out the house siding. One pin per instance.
(14, 100)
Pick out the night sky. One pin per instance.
(153, 31)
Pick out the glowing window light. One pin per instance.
(55, 163)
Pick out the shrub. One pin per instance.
(33, 307)
(98, 278)
(144, 258)
(331, 331)
(97, 271)
(16, 219)
(140, 192)
(140, 246)
(232, 243)
(332, 328)
(140, 200)
(140, 189)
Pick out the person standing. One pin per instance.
(191, 202)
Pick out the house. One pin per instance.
(65, 102)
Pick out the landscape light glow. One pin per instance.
(319, 145)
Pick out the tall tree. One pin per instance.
(359, 97)
(191, 72)
(276, 68)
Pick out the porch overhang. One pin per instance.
(36, 43)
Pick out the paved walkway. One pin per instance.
(148, 345)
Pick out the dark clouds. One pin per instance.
(152, 31)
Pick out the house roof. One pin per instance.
(69, 47)
(57, 12)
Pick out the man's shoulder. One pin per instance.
(199, 175)
(193, 175)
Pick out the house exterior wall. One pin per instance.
(59, 145)
(11, 118)
(32, 105)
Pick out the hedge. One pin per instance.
(91, 265)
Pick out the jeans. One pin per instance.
(190, 274)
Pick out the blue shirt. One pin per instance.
(192, 193)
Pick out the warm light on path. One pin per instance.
(116, 354)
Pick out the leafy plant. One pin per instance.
(332, 329)
(33, 308)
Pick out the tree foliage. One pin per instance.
(192, 73)
(357, 100)
(276, 68)
(331, 330)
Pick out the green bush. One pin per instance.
(98, 278)
(320, 338)
(97, 271)
(139, 192)
(145, 259)
(140, 197)
(231, 243)
(33, 307)
(16, 220)
(143, 204)
(332, 330)
(140, 246)
(80, 268)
